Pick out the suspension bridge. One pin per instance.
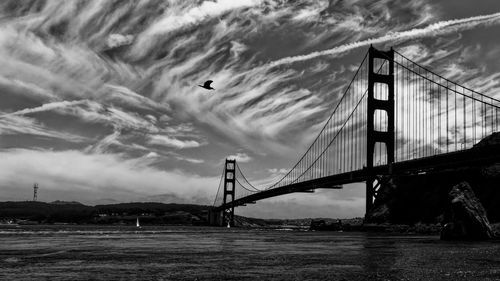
(395, 117)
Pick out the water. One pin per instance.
(198, 253)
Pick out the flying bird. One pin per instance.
(207, 85)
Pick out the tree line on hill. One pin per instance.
(124, 213)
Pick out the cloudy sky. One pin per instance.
(99, 101)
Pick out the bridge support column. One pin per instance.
(215, 217)
(229, 189)
(376, 103)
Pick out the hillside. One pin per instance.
(29, 212)
(46, 212)
(125, 213)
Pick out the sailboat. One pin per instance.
(137, 223)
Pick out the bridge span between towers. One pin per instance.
(395, 117)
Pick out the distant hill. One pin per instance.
(46, 212)
(58, 202)
(149, 213)
(137, 208)
(123, 213)
(105, 201)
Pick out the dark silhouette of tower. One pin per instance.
(35, 192)
(229, 188)
(374, 136)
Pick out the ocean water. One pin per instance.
(204, 253)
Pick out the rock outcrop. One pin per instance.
(381, 211)
(410, 199)
(468, 217)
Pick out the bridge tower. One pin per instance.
(374, 103)
(229, 189)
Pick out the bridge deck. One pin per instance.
(476, 156)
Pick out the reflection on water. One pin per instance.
(190, 253)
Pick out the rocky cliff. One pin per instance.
(468, 216)
(425, 198)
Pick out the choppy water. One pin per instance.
(196, 253)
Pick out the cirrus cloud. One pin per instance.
(240, 157)
(172, 142)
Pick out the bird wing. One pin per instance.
(207, 83)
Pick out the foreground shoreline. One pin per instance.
(372, 228)
(216, 253)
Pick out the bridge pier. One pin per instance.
(215, 217)
(370, 194)
(375, 136)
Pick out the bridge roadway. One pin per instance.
(473, 157)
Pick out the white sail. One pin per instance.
(137, 224)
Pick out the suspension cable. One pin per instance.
(326, 123)
(253, 191)
(220, 182)
(322, 130)
(334, 138)
(428, 70)
(452, 90)
(338, 132)
(243, 175)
